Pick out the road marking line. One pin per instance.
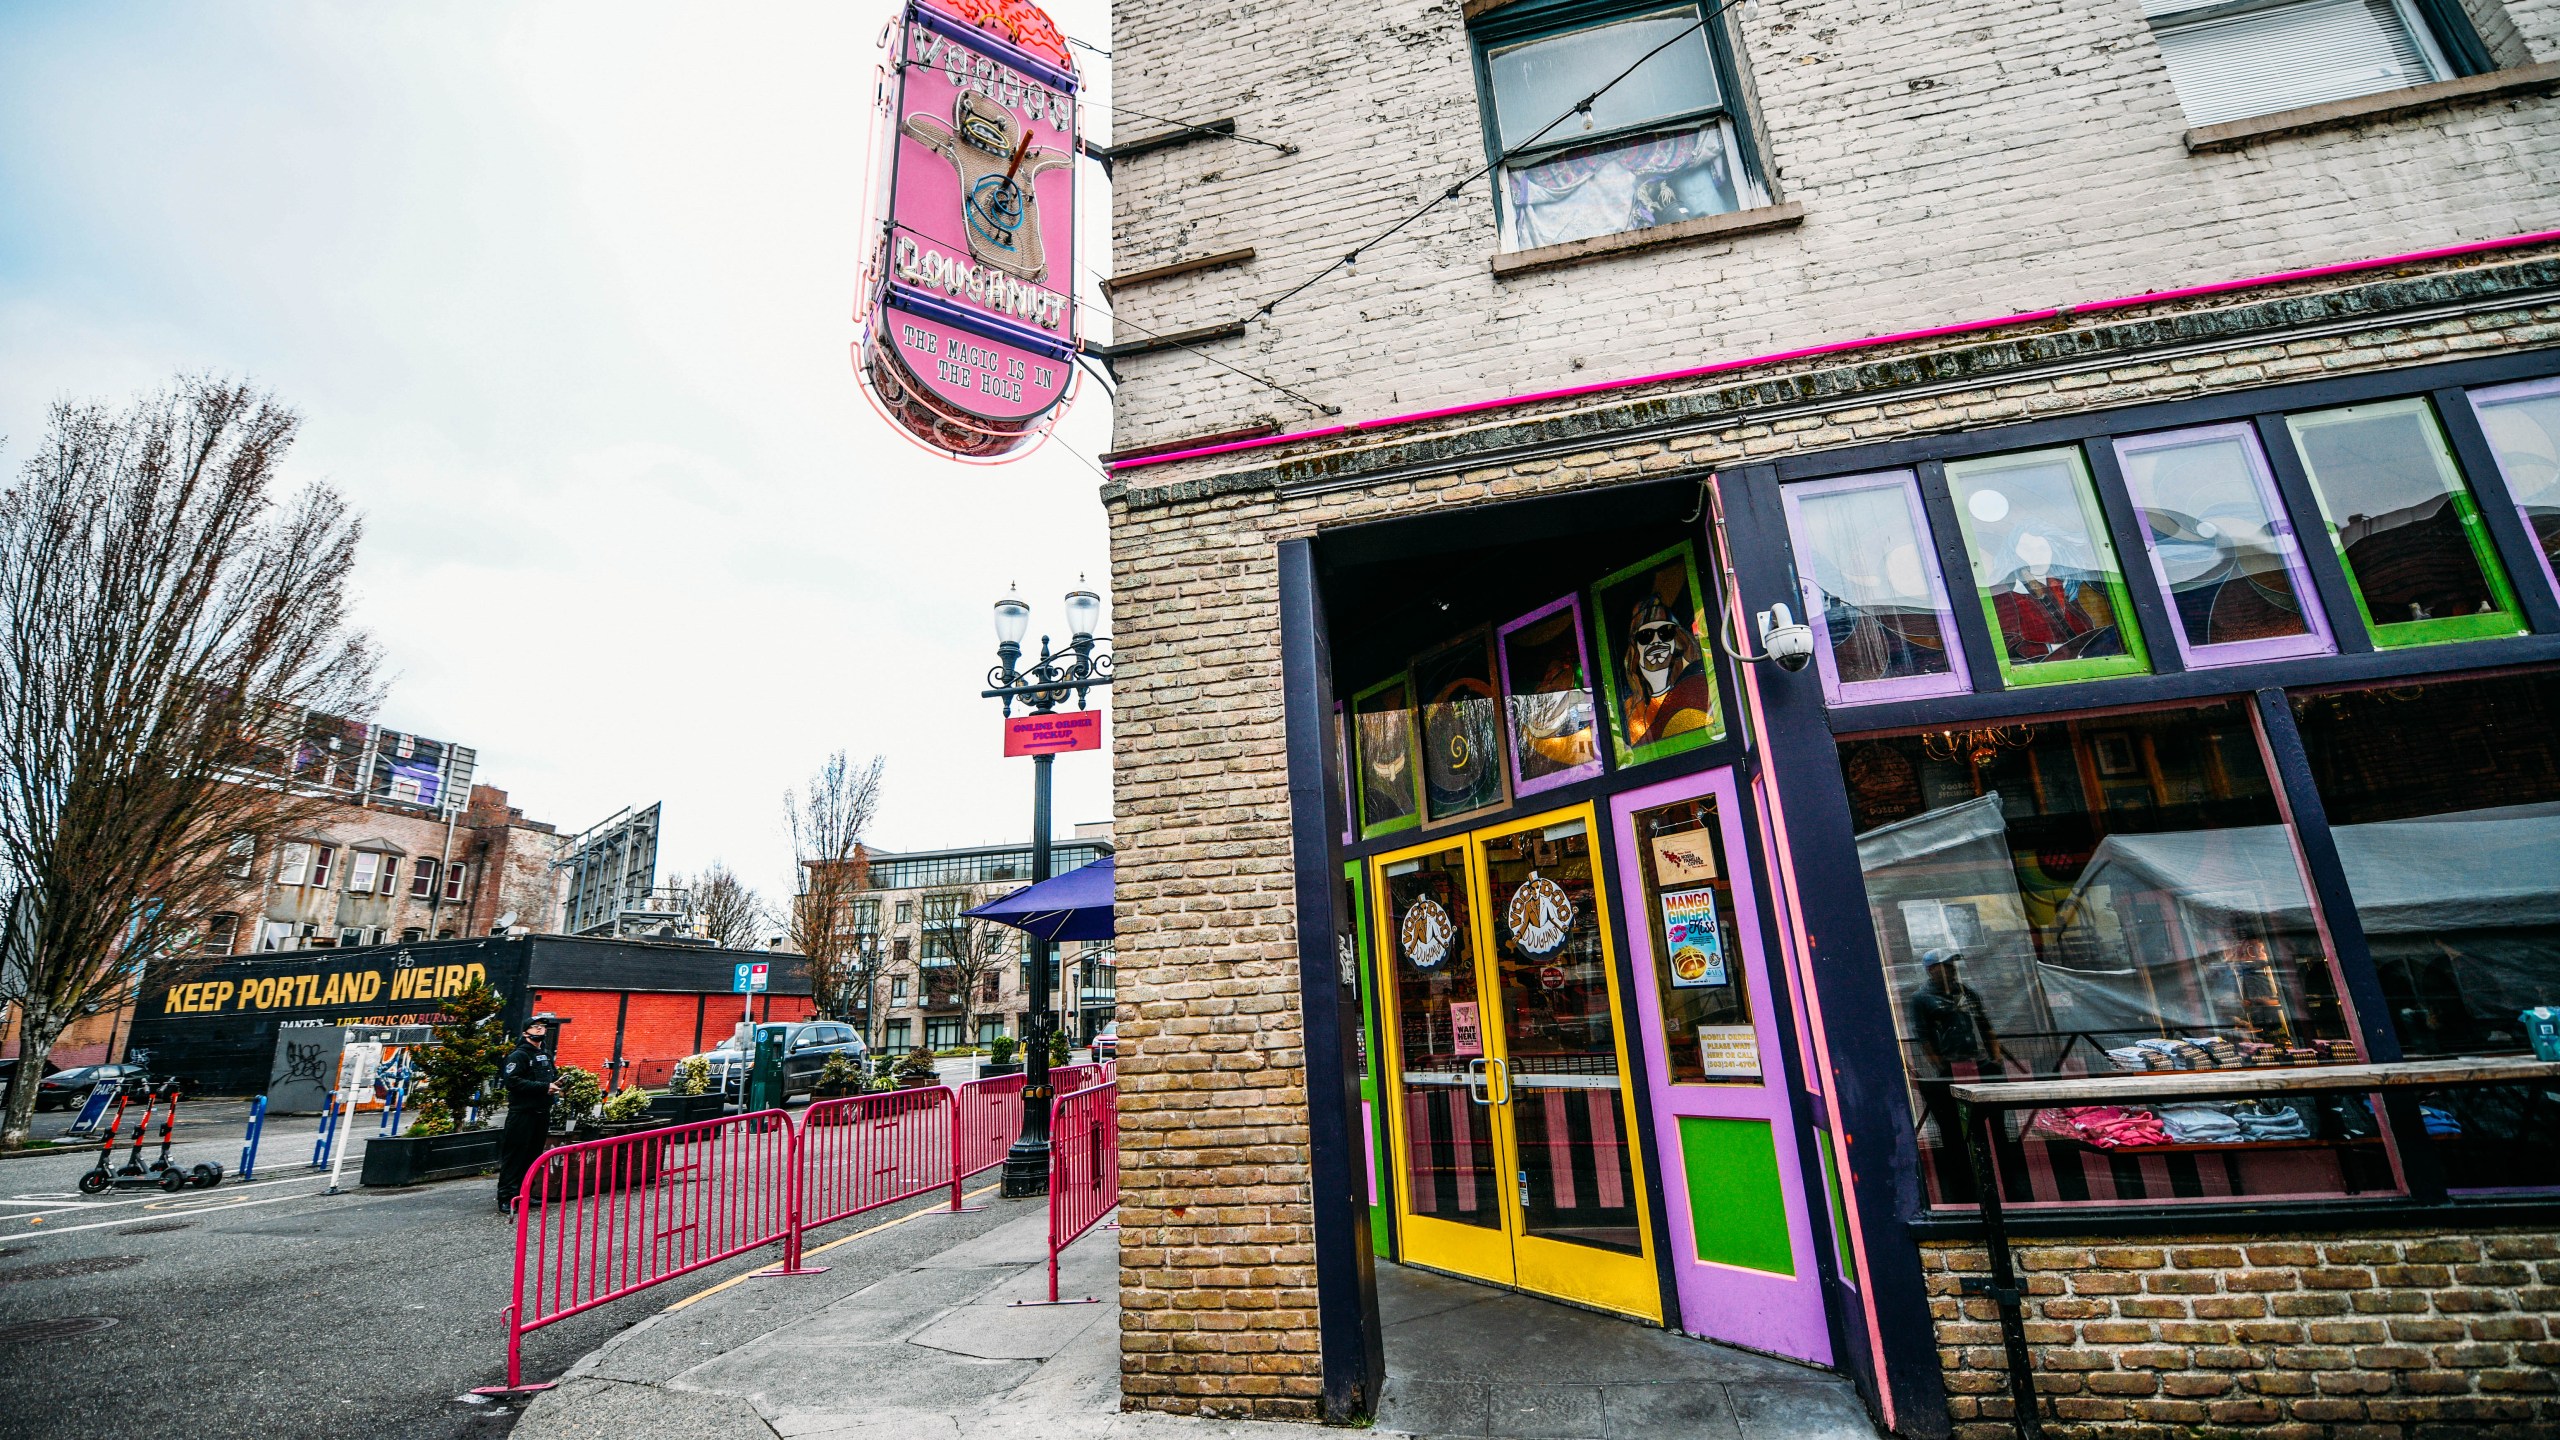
(78, 1204)
(137, 1219)
(707, 1293)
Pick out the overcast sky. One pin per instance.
(563, 293)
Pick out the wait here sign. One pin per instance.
(1051, 734)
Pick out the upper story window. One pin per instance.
(1662, 143)
(2234, 60)
(363, 869)
(422, 883)
(906, 911)
(453, 875)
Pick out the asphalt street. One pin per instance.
(271, 1308)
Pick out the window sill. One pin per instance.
(1599, 247)
(2388, 104)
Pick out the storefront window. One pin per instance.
(2092, 895)
(1882, 627)
(1449, 1159)
(2445, 803)
(1382, 725)
(2223, 551)
(2404, 524)
(1697, 945)
(2523, 423)
(2046, 573)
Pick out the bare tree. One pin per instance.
(961, 951)
(174, 650)
(732, 913)
(828, 823)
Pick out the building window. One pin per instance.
(275, 935)
(990, 1029)
(897, 989)
(2230, 62)
(866, 917)
(241, 859)
(350, 936)
(322, 857)
(2044, 569)
(2225, 555)
(453, 875)
(293, 863)
(941, 909)
(895, 1038)
(1659, 146)
(2523, 425)
(1882, 626)
(900, 949)
(2404, 524)
(906, 912)
(942, 1034)
(412, 935)
(221, 934)
(363, 869)
(2093, 894)
(422, 878)
(993, 989)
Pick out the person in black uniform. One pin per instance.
(530, 1080)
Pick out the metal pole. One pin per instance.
(2003, 1289)
(1026, 1165)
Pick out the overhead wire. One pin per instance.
(1116, 321)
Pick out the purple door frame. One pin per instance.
(1760, 1310)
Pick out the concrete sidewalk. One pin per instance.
(919, 1336)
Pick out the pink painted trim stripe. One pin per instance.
(1966, 327)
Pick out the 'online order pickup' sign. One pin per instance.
(1053, 734)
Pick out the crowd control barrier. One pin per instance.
(603, 1219)
(1084, 1167)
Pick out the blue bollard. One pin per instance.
(257, 1127)
(328, 1134)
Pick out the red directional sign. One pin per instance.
(1050, 734)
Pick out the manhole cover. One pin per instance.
(29, 1331)
(160, 1227)
(65, 1269)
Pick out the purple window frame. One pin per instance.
(2316, 640)
(1582, 652)
(1957, 679)
(2480, 400)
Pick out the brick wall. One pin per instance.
(587, 1040)
(1218, 1289)
(2367, 1337)
(1955, 159)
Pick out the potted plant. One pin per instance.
(688, 1098)
(1000, 1059)
(915, 1069)
(573, 1108)
(1060, 1052)
(469, 1046)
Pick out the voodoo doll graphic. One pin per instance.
(997, 164)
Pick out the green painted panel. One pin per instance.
(1382, 1235)
(1736, 1204)
(1839, 1211)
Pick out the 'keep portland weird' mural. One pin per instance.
(969, 309)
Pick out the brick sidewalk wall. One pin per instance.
(2376, 1337)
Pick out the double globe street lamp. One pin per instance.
(1042, 686)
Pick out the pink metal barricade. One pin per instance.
(861, 1152)
(989, 1116)
(1084, 1167)
(599, 1220)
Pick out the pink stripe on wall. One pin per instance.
(1462, 1152)
(1559, 1149)
(1417, 1151)
(1839, 347)
(1607, 1146)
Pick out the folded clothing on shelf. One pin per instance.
(2106, 1126)
(2200, 1124)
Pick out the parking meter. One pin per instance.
(764, 1076)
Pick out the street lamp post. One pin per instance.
(1042, 686)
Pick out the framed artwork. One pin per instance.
(1462, 747)
(1388, 780)
(1655, 663)
(1546, 688)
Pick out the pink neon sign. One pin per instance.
(970, 331)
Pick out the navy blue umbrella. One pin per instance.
(1073, 906)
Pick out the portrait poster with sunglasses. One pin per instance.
(1655, 663)
(1382, 736)
(1462, 761)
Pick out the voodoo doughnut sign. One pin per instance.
(969, 319)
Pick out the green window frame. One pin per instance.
(1720, 116)
(1980, 507)
(2503, 617)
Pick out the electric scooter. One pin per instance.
(132, 1173)
(201, 1176)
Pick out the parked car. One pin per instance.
(1106, 1042)
(806, 1046)
(65, 1088)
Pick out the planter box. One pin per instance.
(685, 1109)
(570, 1178)
(989, 1069)
(411, 1159)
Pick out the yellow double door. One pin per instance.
(1506, 1065)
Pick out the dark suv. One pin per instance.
(805, 1048)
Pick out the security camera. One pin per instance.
(1785, 640)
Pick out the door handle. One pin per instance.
(1479, 1081)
